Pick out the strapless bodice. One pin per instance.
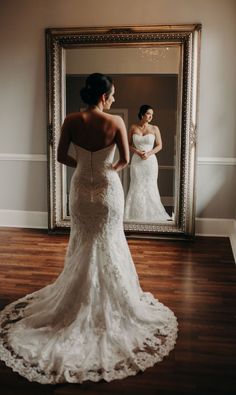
(103, 156)
(143, 142)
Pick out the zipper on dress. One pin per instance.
(91, 176)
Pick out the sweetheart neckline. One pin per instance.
(93, 152)
(143, 135)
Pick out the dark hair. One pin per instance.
(96, 85)
(143, 109)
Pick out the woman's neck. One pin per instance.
(143, 125)
(97, 107)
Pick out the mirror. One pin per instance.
(155, 65)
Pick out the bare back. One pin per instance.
(93, 130)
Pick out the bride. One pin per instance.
(143, 202)
(94, 322)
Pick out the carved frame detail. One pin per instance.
(188, 37)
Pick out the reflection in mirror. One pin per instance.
(143, 202)
(145, 75)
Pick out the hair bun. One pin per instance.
(96, 85)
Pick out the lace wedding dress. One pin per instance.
(143, 202)
(94, 322)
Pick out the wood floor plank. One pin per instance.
(196, 279)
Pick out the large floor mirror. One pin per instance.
(155, 65)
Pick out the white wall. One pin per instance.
(23, 98)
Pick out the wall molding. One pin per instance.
(216, 161)
(204, 226)
(225, 161)
(168, 200)
(166, 167)
(23, 157)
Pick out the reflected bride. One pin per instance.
(143, 202)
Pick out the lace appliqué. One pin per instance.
(153, 349)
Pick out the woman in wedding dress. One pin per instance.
(94, 322)
(143, 202)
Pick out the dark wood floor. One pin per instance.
(197, 280)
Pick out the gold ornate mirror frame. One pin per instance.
(187, 38)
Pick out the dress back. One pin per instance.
(96, 194)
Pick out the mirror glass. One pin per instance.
(153, 65)
(143, 75)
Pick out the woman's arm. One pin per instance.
(63, 146)
(122, 144)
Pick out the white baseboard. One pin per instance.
(213, 226)
(204, 226)
(219, 228)
(233, 240)
(24, 219)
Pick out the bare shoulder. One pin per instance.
(156, 130)
(133, 128)
(116, 120)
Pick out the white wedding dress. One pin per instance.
(143, 202)
(94, 322)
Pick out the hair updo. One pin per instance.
(96, 85)
(143, 109)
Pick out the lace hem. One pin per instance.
(154, 348)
